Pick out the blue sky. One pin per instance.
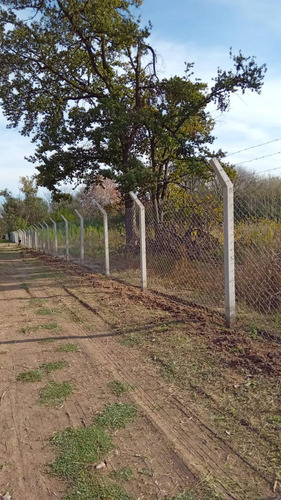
(202, 32)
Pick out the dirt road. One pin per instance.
(173, 446)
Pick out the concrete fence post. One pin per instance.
(36, 237)
(55, 235)
(21, 237)
(66, 238)
(228, 230)
(48, 237)
(43, 236)
(142, 240)
(82, 252)
(105, 234)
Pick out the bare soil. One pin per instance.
(208, 398)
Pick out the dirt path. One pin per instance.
(170, 446)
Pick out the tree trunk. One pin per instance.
(130, 222)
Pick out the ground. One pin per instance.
(205, 400)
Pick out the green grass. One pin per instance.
(118, 388)
(55, 393)
(81, 449)
(97, 489)
(45, 341)
(37, 375)
(117, 416)
(37, 302)
(52, 366)
(31, 376)
(50, 326)
(47, 311)
(131, 341)
(122, 474)
(29, 329)
(68, 348)
(276, 419)
(205, 494)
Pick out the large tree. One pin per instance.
(80, 78)
(66, 56)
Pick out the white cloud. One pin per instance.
(252, 118)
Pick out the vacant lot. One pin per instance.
(113, 394)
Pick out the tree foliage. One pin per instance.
(81, 79)
(19, 213)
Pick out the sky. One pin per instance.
(202, 32)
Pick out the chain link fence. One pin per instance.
(185, 248)
(258, 253)
(124, 256)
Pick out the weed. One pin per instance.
(37, 375)
(253, 330)
(97, 489)
(68, 348)
(37, 301)
(207, 494)
(118, 388)
(276, 419)
(51, 366)
(25, 286)
(117, 415)
(185, 496)
(44, 311)
(79, 448)
(29, 329)
(146, 472)
(50, 326)
(168, 367)
(45, 341)
(131, 341)
(122, 474)
(55, 393)
(30, 376)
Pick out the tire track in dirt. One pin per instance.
(205, 454)
(18, 458)
(31, 426)
(178, 472)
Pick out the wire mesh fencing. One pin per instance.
(124, 245)
(94, 242)
(258, 253)
(185, 249)
(61, 239)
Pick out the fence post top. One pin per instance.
(40, 224)
(221, 173)
(78, 213)
(54, 222)
(102, 210)
(65, 220)
(45, 224)
(136, 200)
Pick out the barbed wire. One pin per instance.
(253, 147)
(258, 158)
